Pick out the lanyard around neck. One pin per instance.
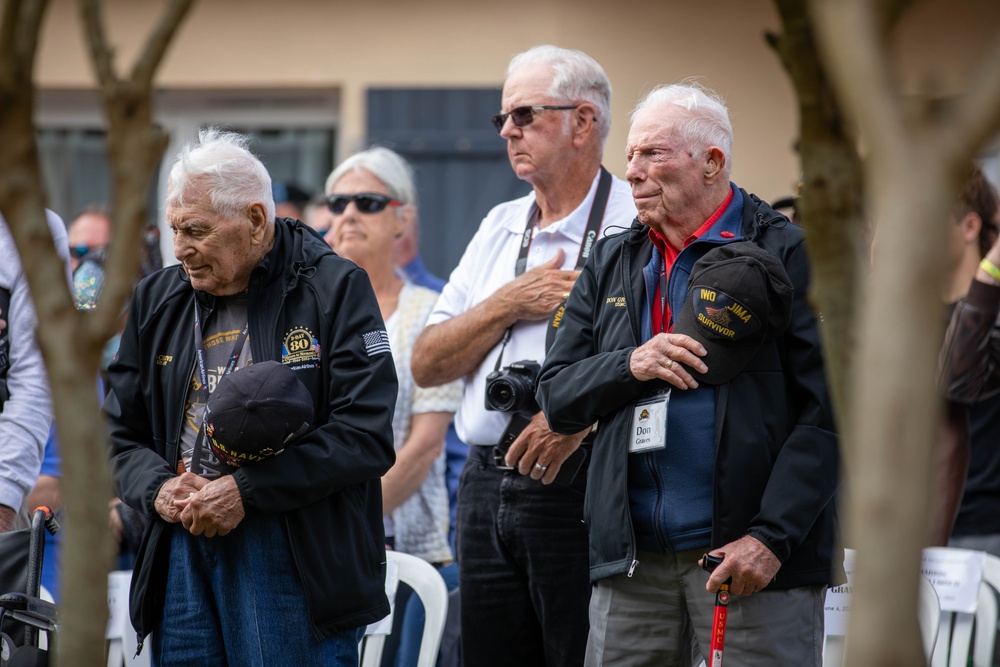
(597, 210)
(594, 221)
(199, 348)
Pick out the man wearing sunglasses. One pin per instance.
(88, 235)
(522, 543)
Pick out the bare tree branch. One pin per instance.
(978, 113)
(861, 72)
(830, 202)
(159, 40)
(8, 29)
(889, 12)
(28, 31)
(100, 53)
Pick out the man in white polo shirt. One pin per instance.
(522, 544)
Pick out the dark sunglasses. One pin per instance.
(366, 202)
(523, 116)
(81, 251)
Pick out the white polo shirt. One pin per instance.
(488, 264)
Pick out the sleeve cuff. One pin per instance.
(983, 296)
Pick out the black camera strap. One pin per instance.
(597, 209)
(594, 221)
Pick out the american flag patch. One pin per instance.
(376, 342)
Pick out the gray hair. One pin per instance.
(387, 166)
(703, 116)
(219, 164)
(578, 77)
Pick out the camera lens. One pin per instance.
(501, 395)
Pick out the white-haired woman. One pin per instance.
(372, 197)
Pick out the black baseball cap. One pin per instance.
(255, 411)
(739, 297)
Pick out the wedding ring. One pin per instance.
(565, 296)
(540, 468)
(669, 364)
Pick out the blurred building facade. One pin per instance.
(315, 80)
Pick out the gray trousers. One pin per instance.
(662, 615)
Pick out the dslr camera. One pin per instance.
(512, 389)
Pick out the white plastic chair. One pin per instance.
(428, 585)
(961, 635)
(928, 617)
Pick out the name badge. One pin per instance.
(649, 424)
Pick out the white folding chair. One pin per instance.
(986, 613)
(963, 635)
(428, 585)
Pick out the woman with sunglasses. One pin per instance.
(372, 198)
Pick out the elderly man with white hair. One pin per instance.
(691, 339)
(521, 541)
(280, 562)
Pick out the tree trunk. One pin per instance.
(72, 341)
(919, 151)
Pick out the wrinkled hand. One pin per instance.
(173, 490)
(661, 357)
(535, 294)
(537, 444)
(751, 565)
(214, 510)
(7, 517)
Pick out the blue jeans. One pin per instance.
(524, 568)
(237, 600)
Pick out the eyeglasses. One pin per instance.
(366, 202)
(523, 116)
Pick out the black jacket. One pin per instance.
(327, 484)
(776, 452)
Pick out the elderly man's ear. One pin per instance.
(257, 215)
(584, 121)
(715, 161)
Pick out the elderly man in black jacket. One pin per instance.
(719, 439)
(282, 561)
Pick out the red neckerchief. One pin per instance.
(670, 254)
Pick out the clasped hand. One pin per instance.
(203, 507)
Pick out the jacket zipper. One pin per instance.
(629, 307)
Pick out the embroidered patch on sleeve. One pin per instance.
(376, 342)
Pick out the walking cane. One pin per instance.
(709, 563)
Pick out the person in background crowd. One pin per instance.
(522, 543)
(89, 235)
(25, 403)
(971, 359)
(290, 200)
(373, 199)
(406, 256)
(317, 214)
